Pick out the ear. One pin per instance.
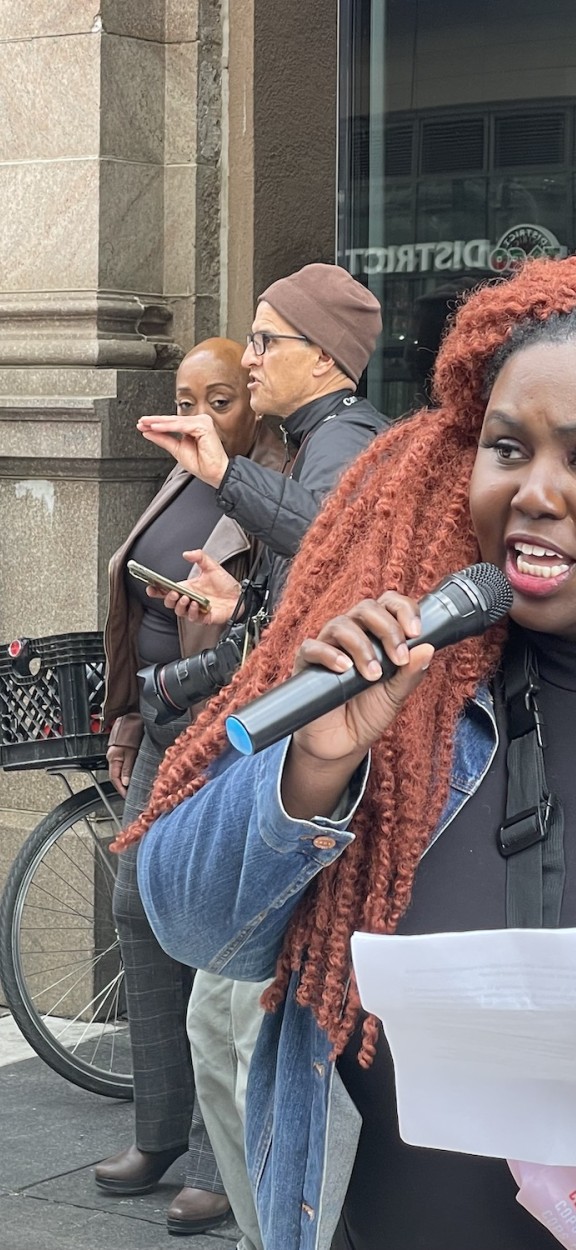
(323, 364)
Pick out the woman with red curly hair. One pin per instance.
(383, 815)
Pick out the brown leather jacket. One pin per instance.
(228, 544)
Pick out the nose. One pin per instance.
(541, 490)
(249, 358)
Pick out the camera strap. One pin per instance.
(532, 835)
(250, 612)
(297, 463)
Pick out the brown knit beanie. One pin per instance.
(332, 309)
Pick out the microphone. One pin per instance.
(462, 605)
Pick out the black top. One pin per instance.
(408, 1198)
(185, 524)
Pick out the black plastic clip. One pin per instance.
(525, 829)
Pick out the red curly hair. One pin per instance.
(398, 520)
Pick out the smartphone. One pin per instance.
(164, 583)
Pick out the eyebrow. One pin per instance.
(212, 386)
(563, 431)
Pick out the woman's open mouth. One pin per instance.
(533, 569)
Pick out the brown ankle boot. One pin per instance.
(195, 1211)
(135, 1171)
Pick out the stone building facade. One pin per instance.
(161, 161)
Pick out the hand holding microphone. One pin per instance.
(383, 633)
(369, 645)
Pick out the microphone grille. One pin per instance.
(494, 586)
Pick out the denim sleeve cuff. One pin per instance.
(324, 836)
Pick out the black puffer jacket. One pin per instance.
(326, 435)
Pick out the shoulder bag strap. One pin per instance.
(532, 835)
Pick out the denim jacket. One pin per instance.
(220, 877)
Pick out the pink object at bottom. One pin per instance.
(549, 1194)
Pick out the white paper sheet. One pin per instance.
(482, 1029)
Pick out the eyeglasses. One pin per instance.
(261, 339)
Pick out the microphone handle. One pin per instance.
(445, 618)
(281, 711)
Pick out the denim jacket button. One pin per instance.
(324, 843)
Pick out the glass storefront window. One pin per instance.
(455, 163)
(542, 200)
(451, 208)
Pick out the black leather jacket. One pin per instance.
(327, 435)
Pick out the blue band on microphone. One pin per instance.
(239, 736)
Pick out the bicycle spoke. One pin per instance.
(86, 966)
(62, 928)
(115, 1002)
(66, 883)
(110, 989)
(104, 859)
(96, 844)
(37, 885)
(74, 1020)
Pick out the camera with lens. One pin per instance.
(171, 688)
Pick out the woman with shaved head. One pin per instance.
(140, 631)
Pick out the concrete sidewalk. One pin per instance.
(52, 1135)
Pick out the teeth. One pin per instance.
(540, 570)
(528, 549)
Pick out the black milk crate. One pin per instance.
(51, 697)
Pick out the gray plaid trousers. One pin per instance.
(157, 993)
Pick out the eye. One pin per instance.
(509, 451)
(505, 450)
(220, 405)
(184, 406)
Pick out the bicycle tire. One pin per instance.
(30, 872)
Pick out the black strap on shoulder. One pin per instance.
(342, 406)
(532, 835)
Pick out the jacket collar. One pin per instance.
(302, 422)
(226, 540)
(475, 742)
(485, 699)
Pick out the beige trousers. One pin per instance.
(224, 1020)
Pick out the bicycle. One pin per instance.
(60, 962)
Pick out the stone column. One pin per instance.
(280, 145)
(101, 289)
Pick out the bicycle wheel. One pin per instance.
(60, 960)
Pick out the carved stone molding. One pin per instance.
(105, 328)
(150, 472)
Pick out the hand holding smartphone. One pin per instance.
(164, 583)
